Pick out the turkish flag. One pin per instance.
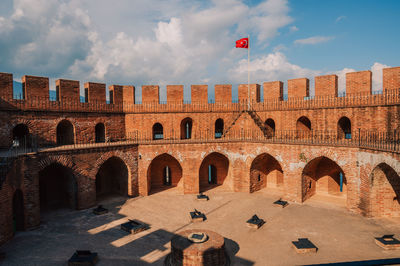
(242, 43)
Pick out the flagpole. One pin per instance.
(248, 72)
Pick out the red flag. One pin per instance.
(242, 43)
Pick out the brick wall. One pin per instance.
(6, 84)
(391, 78)
(174, 93)
(35, 87)
(96, 92)
(243, 92)
(298, 88)
(150, 94)
(326, 85)
(273, 90)
(223, 93)
(359, 82)
(68, 90)
(199, 93)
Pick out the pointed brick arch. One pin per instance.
(213, 171)
(265, 171)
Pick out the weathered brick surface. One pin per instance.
(273, 90)
(326, 85)
(150, 94)
(252, 93)
(298, 87)
(391, 78)
(199, 93)
(223, 93)
(175, 93)
(6, 84)
(96, 92)
(359, 82)
(68, 90)
(35, 87)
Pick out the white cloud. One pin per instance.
(293, 29)
(340, 18)
(314, 40)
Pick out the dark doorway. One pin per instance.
(100, 133)
(65, 133)
(344, 128)
(112, 178)
(270, 126)
(18, 211)
(212, 174)
(219, 128)
(21, 134)
(167, 176)
(57, 187)
(186, 128)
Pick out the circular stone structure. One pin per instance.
(185, 250)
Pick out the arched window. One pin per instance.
(100, 133)
(344, 128)
(212, 174)
(65, 133)
(186, 128)
(303, 127)
(21, 135)
(167, 176)
(270, 126)
(219, 128)
(158, 131)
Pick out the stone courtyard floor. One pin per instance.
(340, 235)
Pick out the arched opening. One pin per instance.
(18, 211)
(112, 178)
(303, 127)
(385, 192)
(219, 128)
(57, 187)
(265, 171)
(158, 132)
(21, 135)
(65, 133)
(213, 171)
(100, 133)
(270, 126)
(323, 177)
(186, 128)
(344, 128)
(164, 172)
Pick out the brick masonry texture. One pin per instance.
(370, 177)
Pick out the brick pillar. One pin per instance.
(150, 93)
(6, 85)
(391, 78)
(68, 90)
(223, 93)
(35, 87)
(298, 88)
(326, 85)
(254, 92)
(96, 92)
(175, 93)
(199, 93)
(273, 90)
(359, 82)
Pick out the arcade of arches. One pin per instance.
(265, 171)
(323, 176)
(164, 172)
(57, 187)
(112, 178)
(213, 171)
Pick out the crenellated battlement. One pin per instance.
(35, 94)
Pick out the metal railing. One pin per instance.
(375, 140)
(387, 97)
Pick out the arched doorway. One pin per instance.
(303, 127)
(21, 134)
(158, 131)
(270, 126)
(186, 128)
(112, 178)
(265, 171)
(164, 172)
(213, 171)
(57, 187)
(65, 133)
(385, 192)
(18, 211)
(219, 128)
(344, 128)
(100, 133)
(324, 177)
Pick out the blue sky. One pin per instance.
(192, 42)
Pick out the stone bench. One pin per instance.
(303, 245)
(133, 227)
(281, 203)
(197, 216)
(202, 197)
(255, 222)
(387, 242)
(100, 210)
